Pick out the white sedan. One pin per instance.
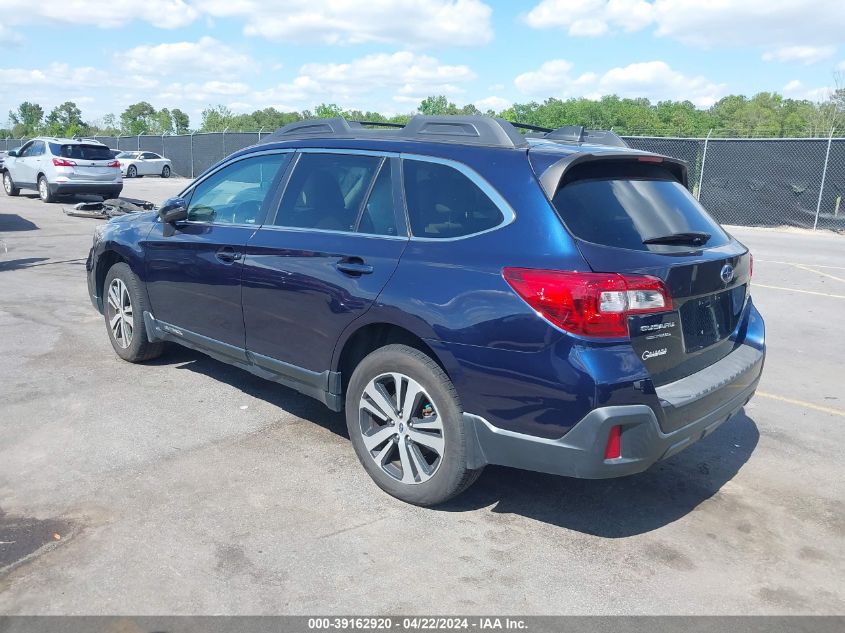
(136, 164)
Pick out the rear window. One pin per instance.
(622, 205)
(443, 203)
(81, 152)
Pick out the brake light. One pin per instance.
(63, 162)
(114, 163)
(750, 265)
(589, 304)
(613, 450)
(650, 159)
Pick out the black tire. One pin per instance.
(131, 171)
(44, 190)
(165, 171)
(139, 347)
(9, 185)
(451, 476)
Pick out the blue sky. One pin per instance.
(387, 55)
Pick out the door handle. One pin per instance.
(227, 255)
(354, 266)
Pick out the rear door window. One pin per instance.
(624, 204)
(326, 191)
(444, 203)
(378, 216)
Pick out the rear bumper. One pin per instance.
(94, 188)
(580, 453)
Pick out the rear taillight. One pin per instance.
(114, 163)
(63, 162)
(589, 304)
(750, 266)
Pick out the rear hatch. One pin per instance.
(86, 162)
(634, 216)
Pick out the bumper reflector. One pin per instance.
(614, 443)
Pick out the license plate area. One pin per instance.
(709, 319)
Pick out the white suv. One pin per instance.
(62, 166)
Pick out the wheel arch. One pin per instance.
(367, 337)
(111, 254)
(107, 259)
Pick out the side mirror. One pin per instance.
(173, 210)
(12, 152)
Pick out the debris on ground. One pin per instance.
(108, 208)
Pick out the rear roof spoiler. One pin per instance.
(550, 179)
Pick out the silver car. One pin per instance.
(137, 164)
(62, 166)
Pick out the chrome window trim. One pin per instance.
(237, 159)
(305, 229)
(509, 215)
(354, 152)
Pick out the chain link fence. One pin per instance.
(763, 182)
(751, 182)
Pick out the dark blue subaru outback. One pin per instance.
(469, 295)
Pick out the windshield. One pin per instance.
(620, 209)
(80, 151)
(127, 155)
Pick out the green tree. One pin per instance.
(435, 105)
(216, 119)
(26, 119)
(327, 111)
(139, 118)
(66, 120)
(181, 121)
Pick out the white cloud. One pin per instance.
(655, 80)
(166, 14)
(8, 36)
(411, 76)
(207, 92)
(497, 104)
(796, 89)
(207, 56)
(411, 23)
(800, 54)
(590, 17)
(761, 23)
(57, 75)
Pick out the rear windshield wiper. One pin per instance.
(694, 238)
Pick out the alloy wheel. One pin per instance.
(7, 183)
(42, 188)
(119, 313)
(401, 428)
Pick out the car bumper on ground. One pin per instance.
(581, 452)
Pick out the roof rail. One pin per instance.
(380, 123)
(578, 134)
(572, 134)
(467, 130)
(529, 127)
